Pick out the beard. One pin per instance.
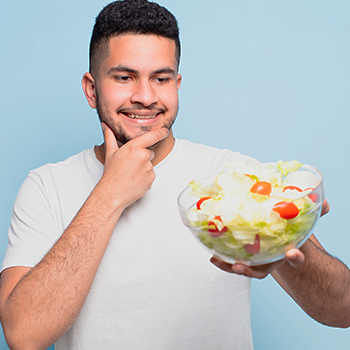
(119, 132)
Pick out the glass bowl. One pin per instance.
(256, 237)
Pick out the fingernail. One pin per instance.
(293, 257)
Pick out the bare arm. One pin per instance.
(320, 286)
(38, 305)
(318, 282)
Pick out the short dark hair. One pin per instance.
(131, 17)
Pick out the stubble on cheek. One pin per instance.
(104, 116)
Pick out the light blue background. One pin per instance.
(268, 78)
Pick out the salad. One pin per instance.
(253, 210)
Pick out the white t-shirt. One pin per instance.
(155, 288)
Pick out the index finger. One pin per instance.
(151, 138)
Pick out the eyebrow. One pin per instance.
(121, 68)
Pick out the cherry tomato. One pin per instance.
(253, 248)
(262, 187)
(312, 196)
(296, 188)
(199, 203)
(286, 210)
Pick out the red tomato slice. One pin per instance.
(214, 229)
(253, 248)
(296, 188)
(312, 196)
(286, 210)
(199, 203)
(262, 187)
(215, 232)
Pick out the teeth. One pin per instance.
(134, 116)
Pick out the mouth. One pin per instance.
(136, 116)
(141, 114)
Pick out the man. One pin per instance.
(98, 257)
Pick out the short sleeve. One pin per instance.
(238, 158)
(33, 231)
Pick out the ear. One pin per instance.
(89, 88)
(179, 79)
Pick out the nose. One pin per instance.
(144, 93)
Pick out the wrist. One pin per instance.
(104, 203)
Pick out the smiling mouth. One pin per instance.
(135, 116)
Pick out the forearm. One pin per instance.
(46, 301)
(321, 286)
(42, 306)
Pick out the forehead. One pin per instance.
(140, 51)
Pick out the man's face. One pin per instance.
(137, 85)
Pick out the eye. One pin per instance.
(162, 80)
(122, 78)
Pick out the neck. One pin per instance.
(161, 149)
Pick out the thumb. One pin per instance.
(111, 144)
(295, 257)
